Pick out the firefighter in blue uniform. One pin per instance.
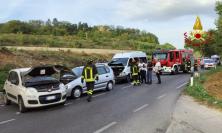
(90, 74)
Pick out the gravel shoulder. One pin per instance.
(191, 117)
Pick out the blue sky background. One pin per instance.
(168, 19)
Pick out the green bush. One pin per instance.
(197, 90)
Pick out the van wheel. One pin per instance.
(5, 98)
(21, 105)
(76, 92)
(109, 86)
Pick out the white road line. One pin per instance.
(162, 96)
(182, 85)
(105, 127)
(2, 105)
(7, 121)
(68, 104)
(140, 108)
(127, 87)
(99, 95)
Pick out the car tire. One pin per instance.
(21, 105)
(109, 86)
(76, 93)
(5, 98)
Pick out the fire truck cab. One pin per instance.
(174, 61)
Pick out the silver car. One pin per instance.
(75, 88)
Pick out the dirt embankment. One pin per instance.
(27, 58)
(213, 85)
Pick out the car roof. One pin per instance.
(97, 64)
(130, 54)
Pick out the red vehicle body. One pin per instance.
(173, 61)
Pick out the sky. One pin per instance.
(168, 19)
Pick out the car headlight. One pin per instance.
(63, 88)
(30, 93)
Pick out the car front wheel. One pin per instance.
(76, 92)
(109, 86)
(21, 105)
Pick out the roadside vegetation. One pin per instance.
(207, 88)
(12, 58)
(54, 33)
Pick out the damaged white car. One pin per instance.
(34, 87)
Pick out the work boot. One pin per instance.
(89, 99)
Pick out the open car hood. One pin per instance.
(41, 71)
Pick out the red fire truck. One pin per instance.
(174, 61)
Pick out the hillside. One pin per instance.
(65, 34)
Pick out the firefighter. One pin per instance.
(89, 74)
(196, 74)
(188, 65)
(135, 72)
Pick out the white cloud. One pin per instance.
(155, 10)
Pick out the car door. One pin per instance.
(101, 83)
(11, 86)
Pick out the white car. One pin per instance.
(33, 87)
(209, 63)
(75, 88)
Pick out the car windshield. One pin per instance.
(160, 56)
(208, 61)
(122, 61)
(77, 71)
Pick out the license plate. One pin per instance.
(50, 98)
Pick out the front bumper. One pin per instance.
(45, 99)
(166, 69)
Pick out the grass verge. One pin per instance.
(200, 93)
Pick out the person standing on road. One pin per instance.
(143, 72)
(89, 74)
(188, 65)
(135, 72)
(149, 72)
(196, 74)
(157, 70)
(140, 65)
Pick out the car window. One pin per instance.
(13, 78)
(77, 71)
(101, 70)
(107, 69)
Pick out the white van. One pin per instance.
(121, 64)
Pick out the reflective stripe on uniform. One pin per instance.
(134, 71)
(89, 92)
(89, 74)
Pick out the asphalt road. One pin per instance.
(126, 109)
